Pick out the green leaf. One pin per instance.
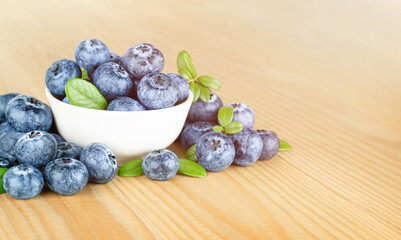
(225, 115)
(191, 168)
(85, 74)
(184, 61)
(191, 153)
(210, 82)
(233, 128)
(218, 128)
(84, 94)
(204, 93)
(284, 145)
(185, 73)
(2, 190)
(2, 172)
(194, 88)
(131, 169)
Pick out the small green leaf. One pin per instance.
(84, 94)
(131, 169)
(204, 93)
(195, 90)
(191, 153)
(225, 115)
(284, 145)
(233, 128)
(184, 61)
(85, 75)
(210, 82)
(2, 190)
(218, 128)
(2, 172)
(191, 168)
(185, 73)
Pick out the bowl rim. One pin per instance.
(49, 96)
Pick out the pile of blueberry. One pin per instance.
(28, 149)
(133, 82)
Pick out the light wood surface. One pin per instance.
(324, 75)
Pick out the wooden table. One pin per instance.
(324, 75)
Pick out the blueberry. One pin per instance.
(68, 150)
(248, 145)
(5, 163)
(92, 53)
(183, 86)
(116, 59)
(112, 80)
(271, 144)
(7, 144)
(66, 100)
(26, 113)
(205, 111)
(5, 127)
(4, 99)
(215, 151)
(100, 161)
(135, 82)
(36, 148)
(160, 165)
(193, 132)
(59, 73)
(243, 114)
(156, 91)
(23, 181)
(143, 59)
(125, 104)
(66, 176)
(58, 138)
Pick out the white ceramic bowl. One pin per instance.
(130, 135)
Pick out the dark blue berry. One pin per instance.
(183, 86)
(160, 165)
(5, 163)
(91, 53)
(100, 161)
(36, 148)
(125, 104)
(68, 150)
(215, 151)
(271, 144)
(7, 144)
(58, 75)
(116, 59)
(143, 59)
(156, 91)
(23, 181)
(112, 80)
(66, 100)
(248, 146)
(4, 99)
(193, 132)
(25, 113)
(205, 111)
(66, 176)
(58, 138)
(5, 127)
(243, 114)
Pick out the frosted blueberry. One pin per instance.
(193, 132)
(156, 91)
(160, 165)
(112, 80)
(66, 176)
(143, 59)
(91, 53)
(68, 150)
(183, 86)
(66, 100)
(5, 163)
(4, 99)
(7, 144)
(215, 151)
(5, 127)
(205, 111)
(25, 113)
(125, 104)
(248, 145)
(23, 181)
(116, 59)
(271, 144)
(36, 148)
(100, 161)
(58, 138)
(243, 114)
(59, 73)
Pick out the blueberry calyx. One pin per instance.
(33, 101)
(215, 144)
(33, 134)
(66, 160)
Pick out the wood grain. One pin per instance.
(324, 75)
